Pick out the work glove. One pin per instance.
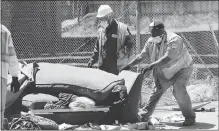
(90, 64)
(147, 68)
(126, 67)
(15, 85)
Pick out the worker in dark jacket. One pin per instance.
(114, 45)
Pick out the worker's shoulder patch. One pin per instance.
(114, 36)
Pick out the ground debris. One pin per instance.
(118, 126)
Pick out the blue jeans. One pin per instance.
(179, 82)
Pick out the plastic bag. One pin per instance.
(82, 103)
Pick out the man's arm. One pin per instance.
(140, 57)
(94, 57)
(162, 61)
(129, 43)
(174, 48)
(13, 61)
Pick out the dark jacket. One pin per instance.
(110, 53)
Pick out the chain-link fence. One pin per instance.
(66, 31)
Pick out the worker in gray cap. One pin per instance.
(171, 64)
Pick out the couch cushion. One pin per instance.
(93, 83)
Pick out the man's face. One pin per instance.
(104, 22)
(105, 19)
(155, 32)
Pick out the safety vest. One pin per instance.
(183, 60)
(9, 61)
(121, 35)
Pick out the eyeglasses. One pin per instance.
(103, 18)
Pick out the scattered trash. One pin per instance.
(136, 126)
(172, 118)
(155, 123)
(141, 113)
(110, 127)
(131, 126)
(207, 109)
(195, 108)
(43, 123)
(23, 123)
(83, 128)
(124, 128)
(65, 126)
(92, 126)
(142, 125)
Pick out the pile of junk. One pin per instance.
(64, 97)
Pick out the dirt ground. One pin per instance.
(204, 120)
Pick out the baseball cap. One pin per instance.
(156, 25)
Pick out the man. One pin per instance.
(114, 45)
(171, 64)
(9, 63)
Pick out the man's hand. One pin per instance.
(148, 67)
(126, 67)
(15, 85)
(90, 64)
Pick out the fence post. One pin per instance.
(73, 9)
(138, 13)
(214, 37)
(122, 10)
